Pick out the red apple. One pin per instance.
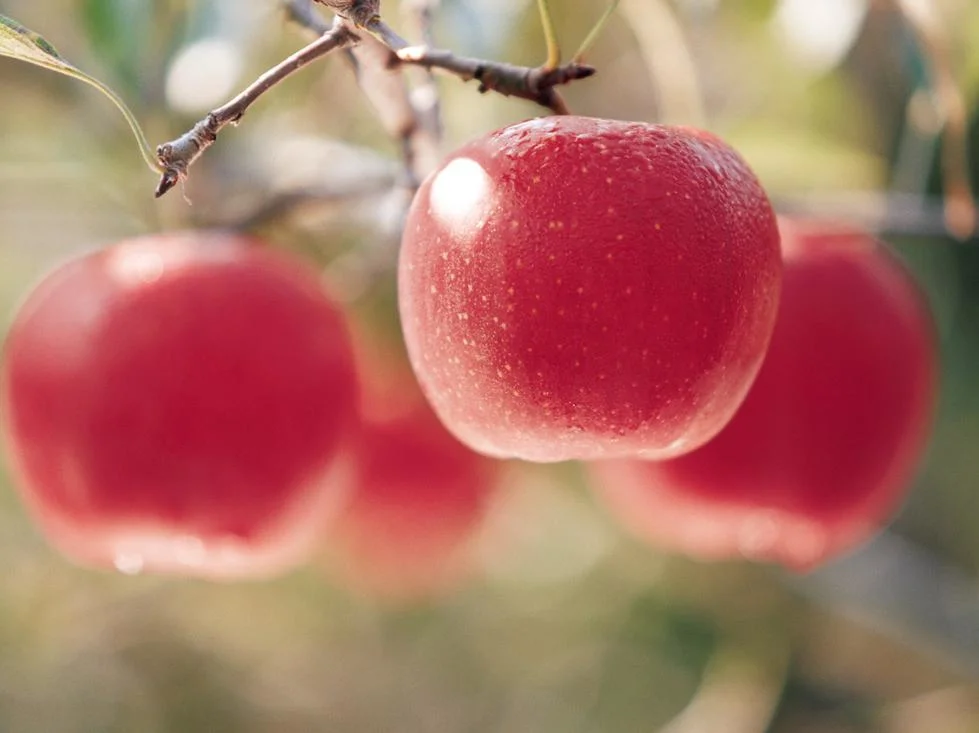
(417, 496)
(582, 288)
(177, 403)
(824, 448)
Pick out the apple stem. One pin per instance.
(594, 33)
(550, 35)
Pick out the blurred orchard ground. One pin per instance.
(567, 624)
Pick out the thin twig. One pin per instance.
(354, 16)
(275, 208)
(426, 98)
(383, 82)
(740, 689)
(301, 13)
(176, 156)
(358, 12)
(885, 214)
(668, 59)
(421, 13)
(596, 31)
(908, 592)
(922, 19)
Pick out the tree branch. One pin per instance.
(301, 13)
(274, 208)
(535, 84)
(886, 214)
(176, 157)
(383, 82)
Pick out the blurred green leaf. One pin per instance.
(116, 30)
(22, 44)
(751, 11)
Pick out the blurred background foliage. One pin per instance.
(567, 624)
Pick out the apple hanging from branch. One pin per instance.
(576, 288)
(824, 449)
(180, 403)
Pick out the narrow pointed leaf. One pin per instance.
(22, 44)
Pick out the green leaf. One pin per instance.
(125, 35)
(22, 44)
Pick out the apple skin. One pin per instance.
(825, 447)
(179, 403)
(576, 288)
(417, 497)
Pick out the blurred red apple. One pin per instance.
(584, 288)
(177, 403)
(417, 496)
(824, 448)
